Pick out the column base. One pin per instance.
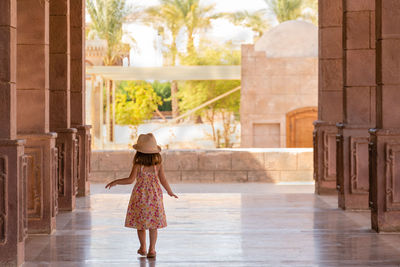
(13, 213)
(325, 158)
(67, 145)
(385, 180)
(352, 167)
(84, 141)
(41, 172)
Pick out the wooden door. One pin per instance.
(299, 127)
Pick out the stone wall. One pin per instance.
(279, 92)
(216, 165)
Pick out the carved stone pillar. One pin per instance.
(13, 214)
(352, 167)
(67, 147)
(385, 139)
(13, 217)
(78, 82)
(60, 102)
(84, 144)
(97, 113)
(330, 94)
(40, 152)
(358, 104)
(33, 112)
(324, 157)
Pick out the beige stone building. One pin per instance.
(279, 94)
(95, 50)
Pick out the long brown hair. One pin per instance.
(147, 159)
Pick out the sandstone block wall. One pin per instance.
(271, 88)
(279, 92)
(208, 166)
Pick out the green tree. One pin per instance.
(196, 17)
(194, 93)
(170, 17)
(310, 11)
(135, 102)
(228, 109)
(107, 17)
(256, 21)
(163, 90)
(167, 18)
(285, 10)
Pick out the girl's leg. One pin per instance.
(142, 239)
(153, 240)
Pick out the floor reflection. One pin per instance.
(144, 262)
(218, 225)
(345, 237)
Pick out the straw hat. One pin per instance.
(147, 144)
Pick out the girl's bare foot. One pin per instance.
(151, 254)
(142, 251)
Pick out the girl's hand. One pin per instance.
(171, 194)
(110, 184)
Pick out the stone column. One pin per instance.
(97, 113)
(13, 208)
(13, 213)
(358, 103)
(108, 111)
(330, 95)
(78, 82)
(33, 113)
(385, 139)
(174, 99)
(60, 106)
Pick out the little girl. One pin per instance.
(146, 209)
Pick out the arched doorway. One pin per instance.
(299, 127)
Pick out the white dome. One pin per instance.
(293, 38)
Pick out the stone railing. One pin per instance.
(216, 165)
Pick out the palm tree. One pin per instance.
(310, 11)
(171, 16)
(285, 9)
(168, 20)
(107, 17)
(256, 20)
(196, 18)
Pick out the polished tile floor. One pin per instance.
(218, 225)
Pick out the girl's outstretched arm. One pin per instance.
(164, 182)
(127, 180)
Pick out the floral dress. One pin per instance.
(146, 208)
